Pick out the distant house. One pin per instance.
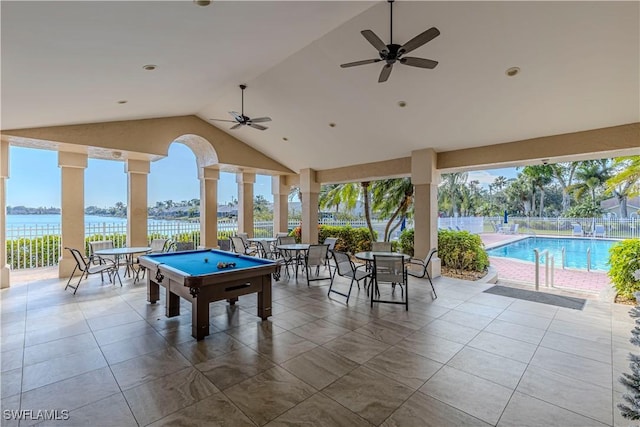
(612, 207)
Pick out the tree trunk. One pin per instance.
(541, 202)
(623, 207)
(367, 213)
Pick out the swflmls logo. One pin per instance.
(39, 415)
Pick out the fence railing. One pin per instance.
(39, 245)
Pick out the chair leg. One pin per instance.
(71, 277)
(432, 287)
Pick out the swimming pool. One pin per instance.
(575, 251)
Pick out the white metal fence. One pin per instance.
(39, 245)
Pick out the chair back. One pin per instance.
(316, 255)
(82, 263)
(331, 241)
(389, 268)
(159, 245)
(97, 246)
(381, 246)
(286, 240)
(244, 237)
(278, 235)
(181, 246)
(237, 245)
(343, 263)
(264, 250)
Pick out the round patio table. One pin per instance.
(128, 253)
(298, 248)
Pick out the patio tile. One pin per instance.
(515, 331)
(122, 350)
(600, 351)
(356, 347)
(450, 331)
(215, 410)
(430, 346)
(320, 331)
(111, 412)
(59, 348)
(503, 346)
(231, 368)
(467, 319)
(408, 368)
(369, 394)
(251, 333)
(319, 410)
(282, 347)
(587, 370)
(421, 410)
(476, 396)
(527, 411)
(319, 367)
(139, 370)
(524, 319)
(569, 393)
(500, 370)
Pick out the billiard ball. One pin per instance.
(206, 260)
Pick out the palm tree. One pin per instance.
(539, 176)
(450, 191)
(564, 174)
(392, 198)
(625, 182)
(591, 174)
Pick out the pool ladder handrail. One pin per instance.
(548, 272)
(588, 259)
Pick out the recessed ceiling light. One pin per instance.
(284, 138)
(149, 67)
(513, 71)
(123, 101)
(202, 2)
(402, 104)
(332, 125)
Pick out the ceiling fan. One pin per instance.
(242, 120)
(392, 53)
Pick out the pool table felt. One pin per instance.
(193, 262)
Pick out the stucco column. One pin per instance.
(209, 177)
(245, 182)
(280, 191)
(424, 177)
(310, 189)
(137, 200)
(5, 278)
(72, 166)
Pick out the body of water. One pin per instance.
(28, 220)
(575, 251)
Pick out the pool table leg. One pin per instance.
(199, 318)
(173, 304)
(264, 298)
(153, 291)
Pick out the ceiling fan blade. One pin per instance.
(222, 120)
(374, 40)
(384, 74)
(237, 116)
(253, 125)
(366, 61)
(419, 40)
(419, 62)
(261, 120)
(236, 126)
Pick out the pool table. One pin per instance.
(204, 276)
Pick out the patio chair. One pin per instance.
(180, 246)
(157, 246)
(381, 246)
(422, 269)
(316, 256)
(577, 230)
(288, 257)
(346, 268)
(513, 229)
(331, 241)
(97, 246)
(239, 246)
(86, 269)
(599, 231)
(389, 269)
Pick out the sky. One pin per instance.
(34, 179)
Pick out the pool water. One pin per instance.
(575, 251)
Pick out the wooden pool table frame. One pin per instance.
(203, 289)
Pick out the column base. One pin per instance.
(435, 267)
(5, 277)
(65, 267)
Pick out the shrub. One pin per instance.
(462, 251)
(624, 260)
(406, 241)
(350, 239)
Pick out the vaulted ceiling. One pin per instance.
(71, 62)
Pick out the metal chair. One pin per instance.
(389, 269)
(239, 246)
(288, 257)
(316, 256)
(346, 268)
(380, 246)
(86, 269)
(180, 246)
(423, 266)
(331, 241)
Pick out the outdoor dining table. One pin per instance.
(128, 253)
(368, 257)
(298, 248)
(264, 240)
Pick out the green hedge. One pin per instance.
(624, 260)
(459, 250)
(350, 239)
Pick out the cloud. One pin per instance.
(484, 177)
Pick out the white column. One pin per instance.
(72, 166)
(5, 277)
(310, 190)
(424, 177)
(280, 191)
(245, 182)
(209, 177)
(137, 199)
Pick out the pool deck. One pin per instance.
(523, 272)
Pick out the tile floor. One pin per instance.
(465, 359)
